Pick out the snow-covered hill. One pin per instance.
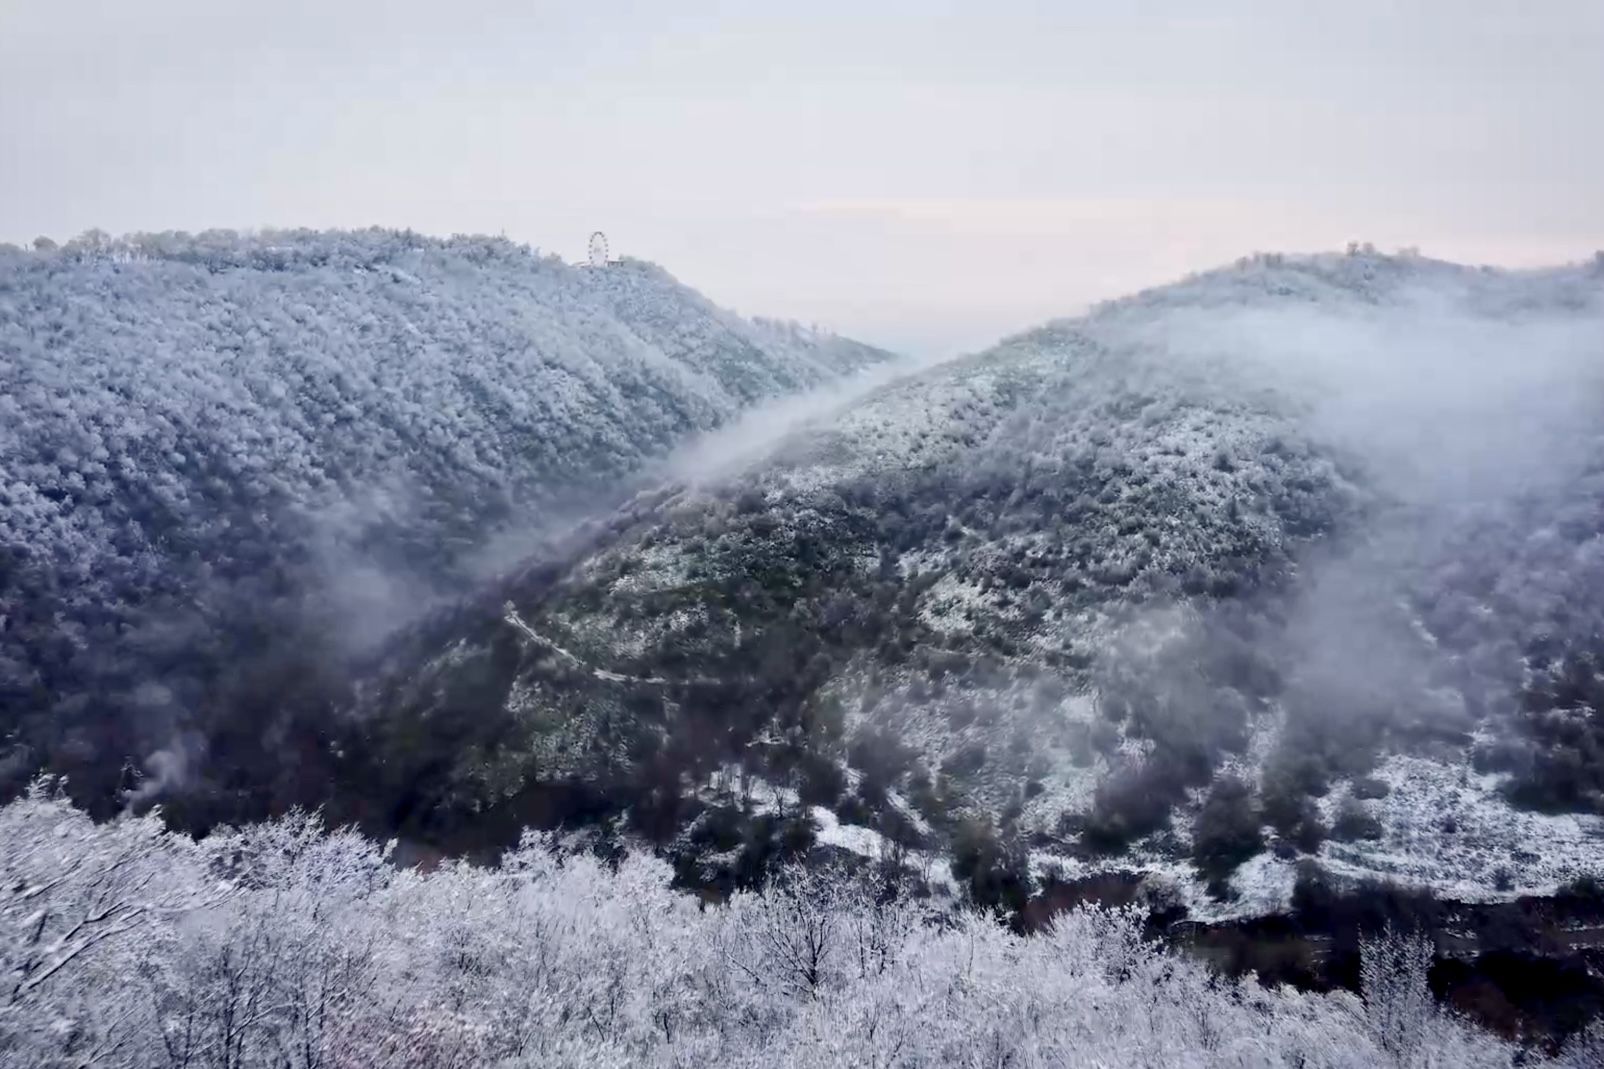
(1176, 586)
(219, 448)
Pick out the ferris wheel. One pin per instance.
(598, 249)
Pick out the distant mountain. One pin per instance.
(1295, 559)
(227, 461)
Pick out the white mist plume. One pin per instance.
(759, 431)
(1459, 398)
(1447, 396)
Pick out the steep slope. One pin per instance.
(1159, 588)
(229, 459)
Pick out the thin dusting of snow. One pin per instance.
(1449, 827)
(510, 614)
(652, 568)
(951, 605)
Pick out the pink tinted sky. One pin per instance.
(927, 175)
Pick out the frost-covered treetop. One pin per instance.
(122, 945)
(300, 367)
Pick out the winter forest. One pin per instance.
(428, 653)
(773, 535)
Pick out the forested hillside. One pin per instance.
(1293, 560)
(1276, 590)
(229, 461)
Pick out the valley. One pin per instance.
(1261, 609)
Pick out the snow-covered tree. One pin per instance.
(284, 947)
(79, 903)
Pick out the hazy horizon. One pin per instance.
(927, 177)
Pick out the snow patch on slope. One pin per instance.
(1450, 828)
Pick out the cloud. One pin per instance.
(755, 434)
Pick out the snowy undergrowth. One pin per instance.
(1444, 828)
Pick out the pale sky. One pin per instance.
(928, 175)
